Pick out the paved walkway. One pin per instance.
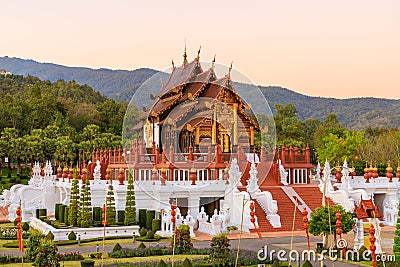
(273, 241)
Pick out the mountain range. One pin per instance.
(354, 113)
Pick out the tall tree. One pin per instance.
(130, 205)
(85, 209)
(323, 221)
(74, 203)
(110, 203)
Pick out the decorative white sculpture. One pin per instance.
(390, 212)
(234, 174)
(96, 171)
(252, 185)
(318, 171)
(202, 216)
(190, 221)
(283, 173)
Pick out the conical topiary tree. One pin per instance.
(110, 203)
(130, 205)
(74, 203)
(85, 212)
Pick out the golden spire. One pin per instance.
(198, 54)
(185, 56)
(229, 71)
(213, 63)
(173, 65)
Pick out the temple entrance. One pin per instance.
(210, 204)
(186, 139)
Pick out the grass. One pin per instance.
(113, 260)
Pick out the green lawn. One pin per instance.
(112, 260)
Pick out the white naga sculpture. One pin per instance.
(283, 173)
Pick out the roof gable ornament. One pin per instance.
(213, 63)
(198, 54)
(229, 71)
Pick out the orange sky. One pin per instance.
(321, 48)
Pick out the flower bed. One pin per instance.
(11, 233)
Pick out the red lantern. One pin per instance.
(104, 215)
(253, 219)
(305, 226)
(19, 230)
(338, 224)
(173, 212)
(372, 247)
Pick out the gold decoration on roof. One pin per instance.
(189, 127)
(389, 168)
(190, 96)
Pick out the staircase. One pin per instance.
(310, 195)
(285, 211)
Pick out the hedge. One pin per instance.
(61, 211)
(142, 218)
(57, 210)
(41, 212)
(155, 225)
(97, 214)
(150, 215)
(66, 215)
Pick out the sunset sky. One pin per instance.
(336, 48)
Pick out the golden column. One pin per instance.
(197, 136)
(235, 124)
(214, 127)
(252, 135)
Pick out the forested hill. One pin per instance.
(111, 83)
(355, 113)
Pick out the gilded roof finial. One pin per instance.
(229, 71)
(173, 65)
(185, 56)
(213, 63)
(198, 54)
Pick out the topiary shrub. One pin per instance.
(187, 263)
(117, 247)
(155, 225)
(142, 218)
(220, 247)
(25, 226)
(57, 210)
(183, 243)
(87, 263)
(307, 264)
(161, 263)
(72, 236)
(61, 212)
(141, 246)
(120, 216)
(50, 236)
(150, 235)
(142, 231)
(150, 215)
